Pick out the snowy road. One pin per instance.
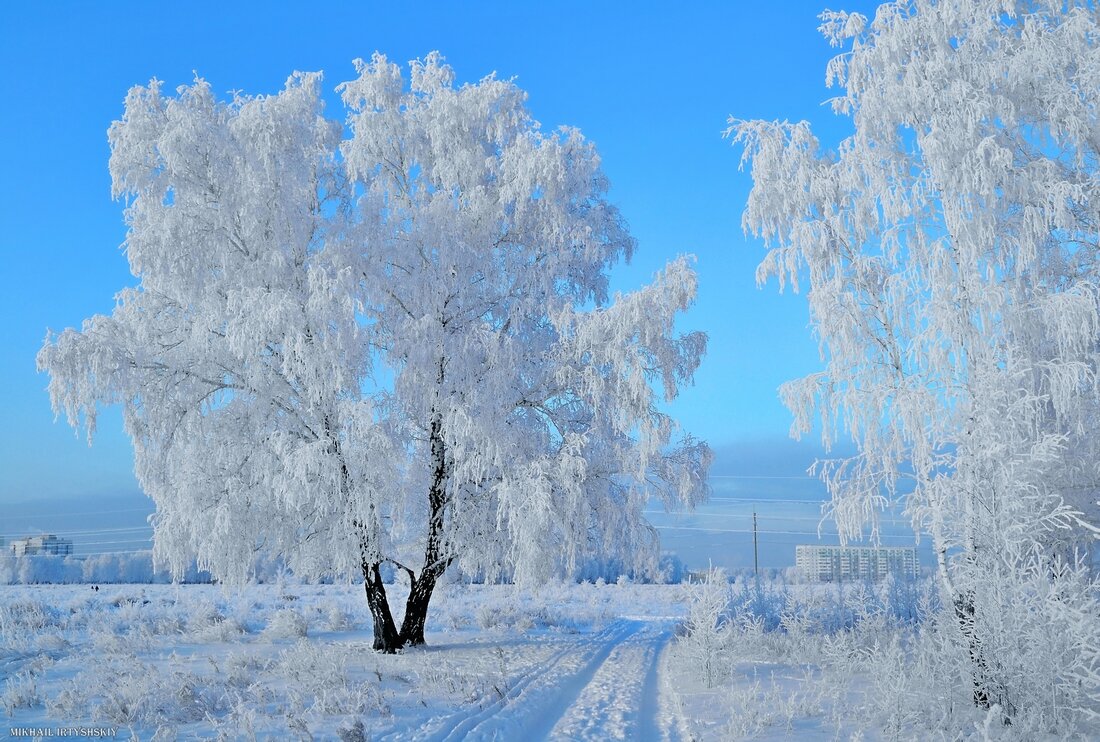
(621, 699)
(604, 686)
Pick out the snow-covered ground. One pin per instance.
(288, 661)
(566, 662)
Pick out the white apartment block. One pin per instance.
(44, 544)
(841, 563)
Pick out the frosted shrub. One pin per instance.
(496, 616)
(908, 600)
(707, 626)
(1045, 623)
(354, 733)
(225, 629)
(19, 691)
(906, 696)
(1043, 680)
(106, 642)
(753, 709)
(203, 615)
(834, 608)
(168, 625)
(24, 617)
(9, 570)
(241, 669)
(123, 691)
(321, 683)
(338, 619)
(286, 624)
(760, 600)
(917, 677)
(773, 702)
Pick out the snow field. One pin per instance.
(715, 661)
(285, 662)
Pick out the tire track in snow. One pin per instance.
(534, 710)
(621, 699)
(603, 687)
(524, 704)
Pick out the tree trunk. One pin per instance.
(416, 609)
(386, 638)
(963, 605)
(420, 589)
(964, 612)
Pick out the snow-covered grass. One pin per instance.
(766, 660)
(713, 661)
(282, 661)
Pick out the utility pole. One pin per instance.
(755, 549)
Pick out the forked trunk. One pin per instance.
(420, 589)
(416, 609)
(386, 638)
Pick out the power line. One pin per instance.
(87, 512)
(97, 532)
(786, 533)
(812, 519)
(760, 476)
(100, 543)
(771, 500)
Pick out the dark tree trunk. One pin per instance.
(386, 638)
(416, 610)
(435, 563)
(964, 612)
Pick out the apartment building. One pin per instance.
(45, 544)
(842, 563)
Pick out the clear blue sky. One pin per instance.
(652, 85)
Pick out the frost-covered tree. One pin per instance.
(394, 345)
(531, 428)
(950, 245)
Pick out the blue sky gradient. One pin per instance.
(651, 84)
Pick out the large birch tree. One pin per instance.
(390, 341)
(950, 247)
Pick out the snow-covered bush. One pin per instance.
(19, 691)
(1044, 682)
(762, 601)
(893, 654)
(1043, 677)
(707, 628)
(207, 623)
(337, 619)
(321, 683)
(286, 623)
(495, 616)
(122, 690)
